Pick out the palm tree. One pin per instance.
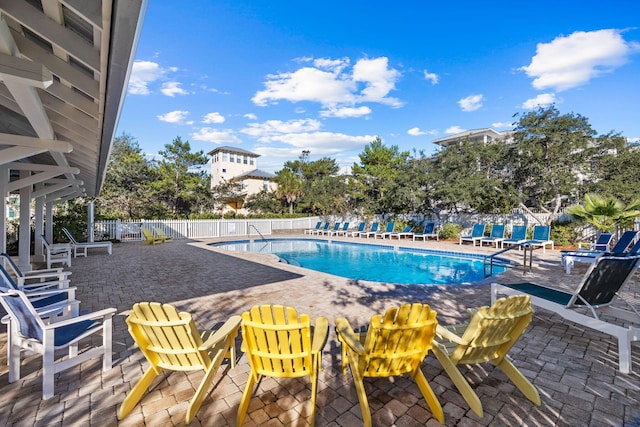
(606, 214)
(289, 187)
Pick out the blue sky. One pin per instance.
(280, 77)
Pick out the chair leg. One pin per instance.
(429, 395)
(523, 384)
(137, 391)
(48, 372)
(362, 395)
(314, 392)
(218, 352)
(460, 382)
(107, 357)
(246, 397)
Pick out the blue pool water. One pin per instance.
(378, 263)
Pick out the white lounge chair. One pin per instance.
(57, 252)
(80, 248)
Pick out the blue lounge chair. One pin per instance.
(311, 230)
(406, 232)
(541, 237)
(321, 230)
(569, 258)
(496, 236)
(356, 232)
(372, 231)
(335, 228)
(477, 233)
(429, 231)
(593, 298)
(382, 234)
(342, 230)
(518, 236)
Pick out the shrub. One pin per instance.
(450, 230)
(563, 233)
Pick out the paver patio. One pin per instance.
(574, 368)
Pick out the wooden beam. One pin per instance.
(53, 188)
(89, 10)
(35, 178)
(20, 166)
(73, 98)
(23, 71)
(29, 141)
(13, 154)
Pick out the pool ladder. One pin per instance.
(527, 261)
(257, 231)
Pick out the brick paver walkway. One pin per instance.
(574, 368)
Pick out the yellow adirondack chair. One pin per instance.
(149, 238)
(162, 236)
(488, 337)
(278, 344)
(169, 340)
(394, 344)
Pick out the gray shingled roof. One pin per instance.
(230, 149)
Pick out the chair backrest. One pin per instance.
(345, 226)
(14, 267)
(374, 226)
(390, 226)
(277, 341)
(45, 241)
(478, 230)
(429, 227)
(624, 241)
(602, 243)
(398, 341)
(19, 307)
(361, 226)
(635, 249)
(148, 234)
(168, 338)
(6, 280)
(493, 330)
(326, 225)
(407, 229)
(603, 280)
(69, 236)
(519, 232)
(497, 231)
(541, 232)
(318, 225)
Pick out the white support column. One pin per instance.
(48, 221)
(90, 222)
(24, 235)
(4, 180)
(38, 228)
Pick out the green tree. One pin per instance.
(615, 172)
(289, 187)
(264, 202)
(605, 213)
(549, 153)
(228, 193)
(125, 192)
(183, 183)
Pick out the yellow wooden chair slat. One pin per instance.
(278, 343)
(170, 340)
(149, 238)
(395, 343)
(488, 337)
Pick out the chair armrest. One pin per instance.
(62, 275)
(320, 333)
(49, 292)
(348, 336)
(233, 323)
(105, 313)
(443, 332)
(33, 287)
(52, 271)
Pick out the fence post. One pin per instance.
(118, 230)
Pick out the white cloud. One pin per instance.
(173, 116)
(539, 101)
(172, 89)
(471, 103)
(501, 125)
(143, 73)
(433, 77)
(224, 136)
(214, 117)
(416, 132)
(452, 130)
(329, 83)
(346, 112)
(633, 140)
(250, 116)
(266, 130)
(570, 61)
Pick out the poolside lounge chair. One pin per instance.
(30, 332)
(149, 237)
(428, 232)
(406, 232)
(317, 227)
(477, 233)
(35, 278)
(339, 231)
(395, 343)
(56, 253)
(162, 235)
(488, 337)
(602, 243)
(496, 236)
(279, 343)
(518, 236)
(43, 294)
(330, 231)
(372, 231)
(322, 229)
(170, 340)
(80, 248)
(569, 258)
(388, 230)
(540, 238)
(593, 298)
(357, 231)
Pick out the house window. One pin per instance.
(231, 158)
(251, 161)
(224, 170)
(244, 160)
(224, 157)
(265, 184)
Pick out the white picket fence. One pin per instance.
(198, 228)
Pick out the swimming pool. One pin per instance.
(377, 263)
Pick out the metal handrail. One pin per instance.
(524, 245)
(254, 227)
